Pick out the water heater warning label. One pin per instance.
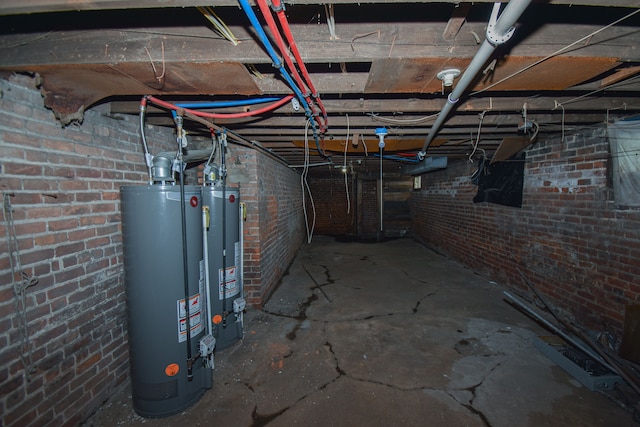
(228, 282)
(195, 317)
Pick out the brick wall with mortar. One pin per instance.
(335, 215)
(360, 216)
(64, 193)
(568, 238)
(64, 185)
(274, 228)
(370, 212)
(280, 227)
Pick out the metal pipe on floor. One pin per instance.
(499, 31)
(565, 336)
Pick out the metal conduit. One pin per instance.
(499, 31)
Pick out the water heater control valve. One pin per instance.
(239, 305)
(207, 345)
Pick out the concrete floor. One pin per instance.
(384, 334)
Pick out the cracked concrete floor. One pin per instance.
(384, 334)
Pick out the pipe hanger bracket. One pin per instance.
(498, 39)
(493, 36)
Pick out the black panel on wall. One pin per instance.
(501, 182)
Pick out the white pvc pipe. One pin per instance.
(503, 25)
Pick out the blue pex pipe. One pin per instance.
(278, 64)
(222, 104)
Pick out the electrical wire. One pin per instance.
(160, 77)
(305, 186)
(475, 146)
(402, 121)
(556, 53)
(148, 158)
(624, 105)
(344, 168)
(562, 106)
(366, 153)
(331, 21)
(214, 146)
(535, 132)
(218, 24)
(175, 34)
(19, 287)
(622, 83)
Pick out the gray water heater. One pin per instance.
(222, 238)
(158, 302)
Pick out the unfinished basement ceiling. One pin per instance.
(372, 64)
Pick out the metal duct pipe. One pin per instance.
(191, 156)
(499, 30)
(575, 341)
(427, 165)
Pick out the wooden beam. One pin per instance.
(620, 75)
(13, 7)
(397, 40)
(414, 108)
(457, 20)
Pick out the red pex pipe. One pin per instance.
(271, 23)
(268, 108)
(296, 53)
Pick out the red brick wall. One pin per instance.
(568, 238)
(281, 226)
(336, 217)
(274, 229)
(64, 185)
(370, 212)
(335, 214)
